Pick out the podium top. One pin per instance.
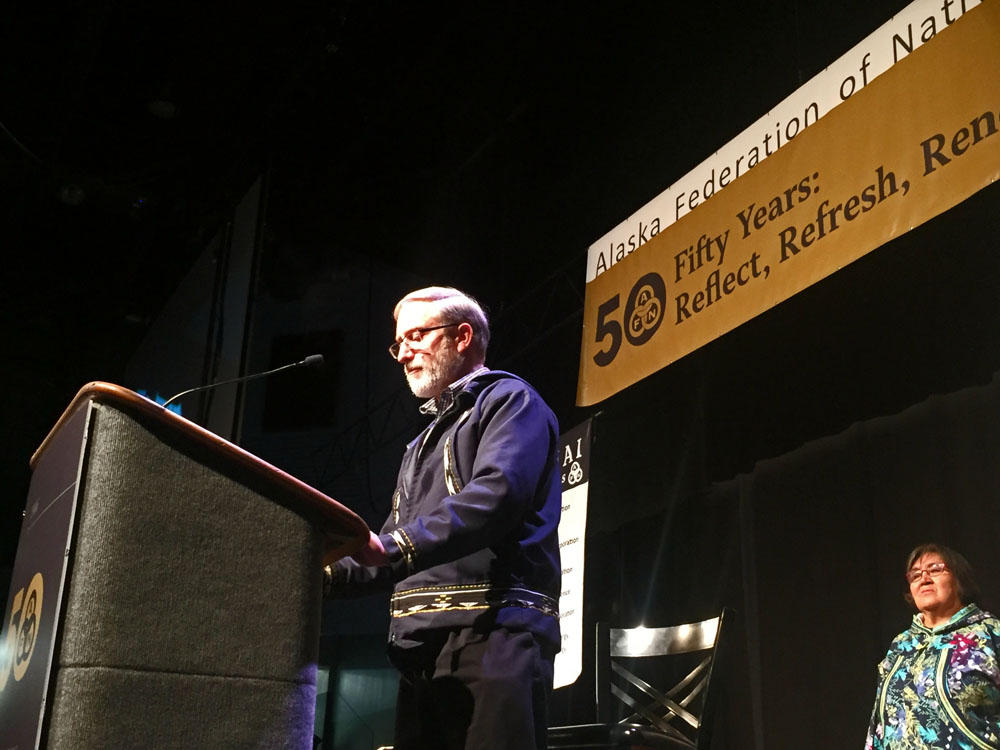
(344, 530)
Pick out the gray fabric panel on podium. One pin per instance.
(102, 707)
(193, 605)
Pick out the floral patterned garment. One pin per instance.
(940, 688)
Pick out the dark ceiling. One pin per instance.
(496, 140)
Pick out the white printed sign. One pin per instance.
(575, 461)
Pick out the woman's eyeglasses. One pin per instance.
(933, 570)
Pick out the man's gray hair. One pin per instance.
(454, 306)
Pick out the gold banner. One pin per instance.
(922, 137)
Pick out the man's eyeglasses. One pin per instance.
(414, 336)
(933, 570)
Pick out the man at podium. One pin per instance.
(470, 548)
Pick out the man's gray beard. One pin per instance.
(436, 375)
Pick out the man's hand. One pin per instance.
(372, 553)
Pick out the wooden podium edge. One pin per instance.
(344, 530)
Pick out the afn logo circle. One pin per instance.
(22, 631)
(645, 307)
(575, 473)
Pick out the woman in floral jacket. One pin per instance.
(939, 684)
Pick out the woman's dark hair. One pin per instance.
(968, 589)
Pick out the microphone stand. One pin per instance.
(310, 361)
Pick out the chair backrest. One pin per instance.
(638, 681)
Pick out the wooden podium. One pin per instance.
(167, 588)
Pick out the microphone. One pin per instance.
(313, 360)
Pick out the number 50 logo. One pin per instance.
(22, 631)
(643, 315)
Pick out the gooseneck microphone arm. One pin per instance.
(311, 361)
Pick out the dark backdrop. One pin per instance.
(487, 149)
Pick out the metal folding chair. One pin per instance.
(634, 713)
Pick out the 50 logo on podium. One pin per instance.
(22, 631)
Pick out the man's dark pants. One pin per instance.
(466, 690)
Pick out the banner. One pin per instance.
(916, 24)
(575, 458)
(914, 143)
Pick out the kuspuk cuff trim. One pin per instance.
(405, 546)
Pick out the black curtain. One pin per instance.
(808, 548)
(827, 528)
